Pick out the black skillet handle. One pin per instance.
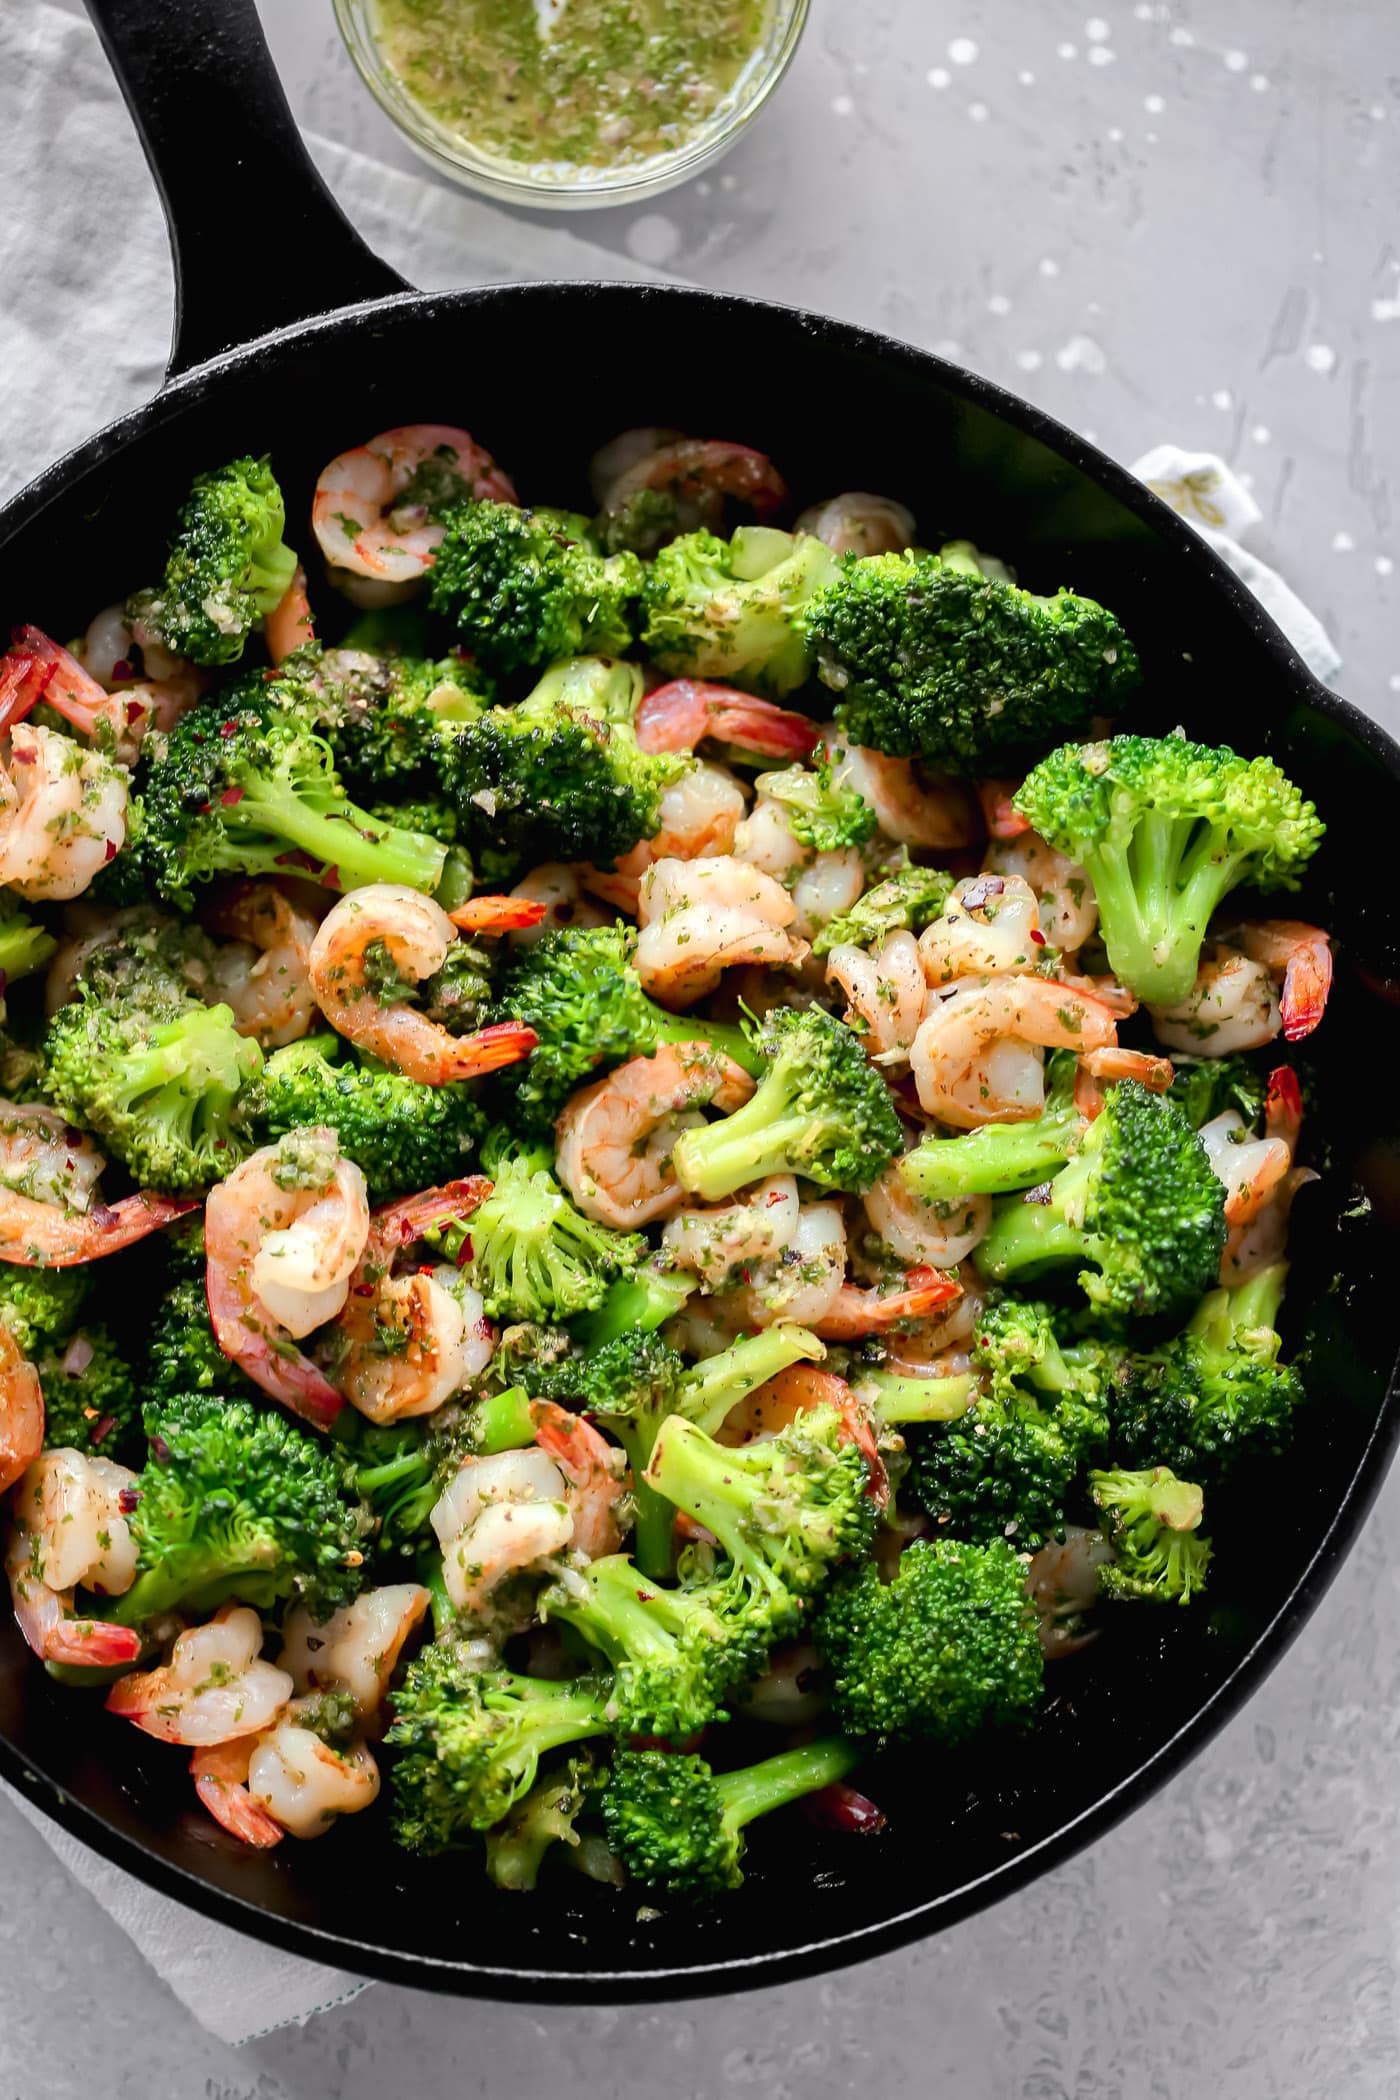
(258, 240)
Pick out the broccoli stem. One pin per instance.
(429, 1570)
(1155, 902)
(712, 1388)
(349, 840)
(645, 1300)
(758, 1789)
(1256, 1302)
(1026, 1237)
(991, 1161)
(747, 1146)
(724, 1036)
(502, 1422)
(897, 1398)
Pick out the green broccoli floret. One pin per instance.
(228, 565)
(1006, 1466)
(90, 1399)
(579, 990)
(1138, 1211)
(238, 788)
(821, 1110)
(949, 1647)
(561, 776)
(40, 1306)
(731, 609)
(25, 946)
(528, 1250)
(1151, 1521)
(156, 1077)
(470, 1742)
(783, 1510)
(1000, 1156)
(1204, 1087)
(236, 1501)
(515, 1850)
(641, 523)
(1217, 1394)
(526, 587)
(636, 1381)
(385, 717)
(908, 900)
(1165, 829)
(182, 1355)
(399, 1470)
(935, 660)
(822, 814)
(675, 1823)
(404, 1135)
(647, 1299)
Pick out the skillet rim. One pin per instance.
(859, 1943)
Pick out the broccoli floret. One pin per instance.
(907, 900)
(822, 814)
(1165, 829)
(399, 1470)
(227, 567)
(1217, 1394)
(1000, 1156)
(948, 1647)
(561, 776)
(647, 1300)
(385, 717)
(730, 609)
(935, 660)
(40, 1306)
(636, 1381)
(1138, 1211)
(821, 1110)
(784, 1510)
(470, 1742)
(25, 946)
(1204, 1087)
(90, 1400)
(579, 990)
(529, 1251)
(515, 1851)
(236, 1501)
(1151, 1520)
(404, 1135)
(675, 1823)
(157, 1078)
(182, 1355)
(1005, 1466)
(238, 788)
(526, 587)
(643, 521)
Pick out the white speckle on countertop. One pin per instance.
(998, 304)
(1236, 61)
(1029, 360)
(962, 51)
(978, 111)
(1097, 30)
(1115, 134)
(1100, 55)
(1048, 266)
(654, 238)
(1259, 82)
(1386, 309)
(1222, 398)
(1320, 357)
(938, 76)
(947, 346)
(1081, 354)
(1066, 50)
(1181, 36)
(1261, 433)
(1026, 79)
(1384, 565)
(1343, 543)
(1394, 681)
(841, 105)
(1154, 105)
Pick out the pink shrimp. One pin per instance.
(699, 475)
(856, 1313)
(290, 626)
(35, 668)
(1002, 819)
(778, 1402)
(220, 1772)
(678, 716)
(21, 1412)
(1304, 956)
(41, 1236)
(498, 914)
(594, 1474)
(374, 510)
(1105, 1066)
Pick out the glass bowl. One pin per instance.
(555, 187)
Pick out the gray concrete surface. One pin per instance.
(1159, 221)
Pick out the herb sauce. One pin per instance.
(575, 84)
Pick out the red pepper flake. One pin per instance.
(128, 1498)
(21, 758)
(204, 808)
(231, 797)
(840, 1807)
(465, 1253)
(160, 1450)
(135, 709)
(105, 1428)
(102, 1216)
(364, 1290)
(1038, 938)
(226, 729)
(109, 851)
(483, 1330)
(123, 668)
(747, 1275)
(425, 1268)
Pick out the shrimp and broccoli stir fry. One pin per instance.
(617, 1123)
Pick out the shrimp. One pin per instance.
(1062, 1583)
(1098, 1068)
(1069, 910)
(855, 1313)
(990, 927)
(405, 1344)
(822, 885)
(1258, 1174)
(495, 915)
(62, 814)
(999, 812)
(595, 1476)
(1232, 1006)
(775, 1405)
(713, 1244)
(279, 1263)
(290, 626)
(701, 917)
(937, 1347)
(886, 994)
(559, 889)
(21, 1412)
(805, 1280)
(413, 935)
(682, 714)
(166, 687)
(50, 1217)
(213, 1689)
(220, 1774)
(44, 1157)
(357, 1648)
(700, 814)
(977, 1057)
(696, 476)
(74, 1509)
(501, 1517)
(374, 507)
(36, 668)
(912, 808)
(933, 1235)
(615, 1137)
(265, 977)
(859, 523)
(302, 1784)
(44, 1615)
(1301, 955)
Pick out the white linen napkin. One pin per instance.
(84, 332)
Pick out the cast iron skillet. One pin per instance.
(541, 373)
